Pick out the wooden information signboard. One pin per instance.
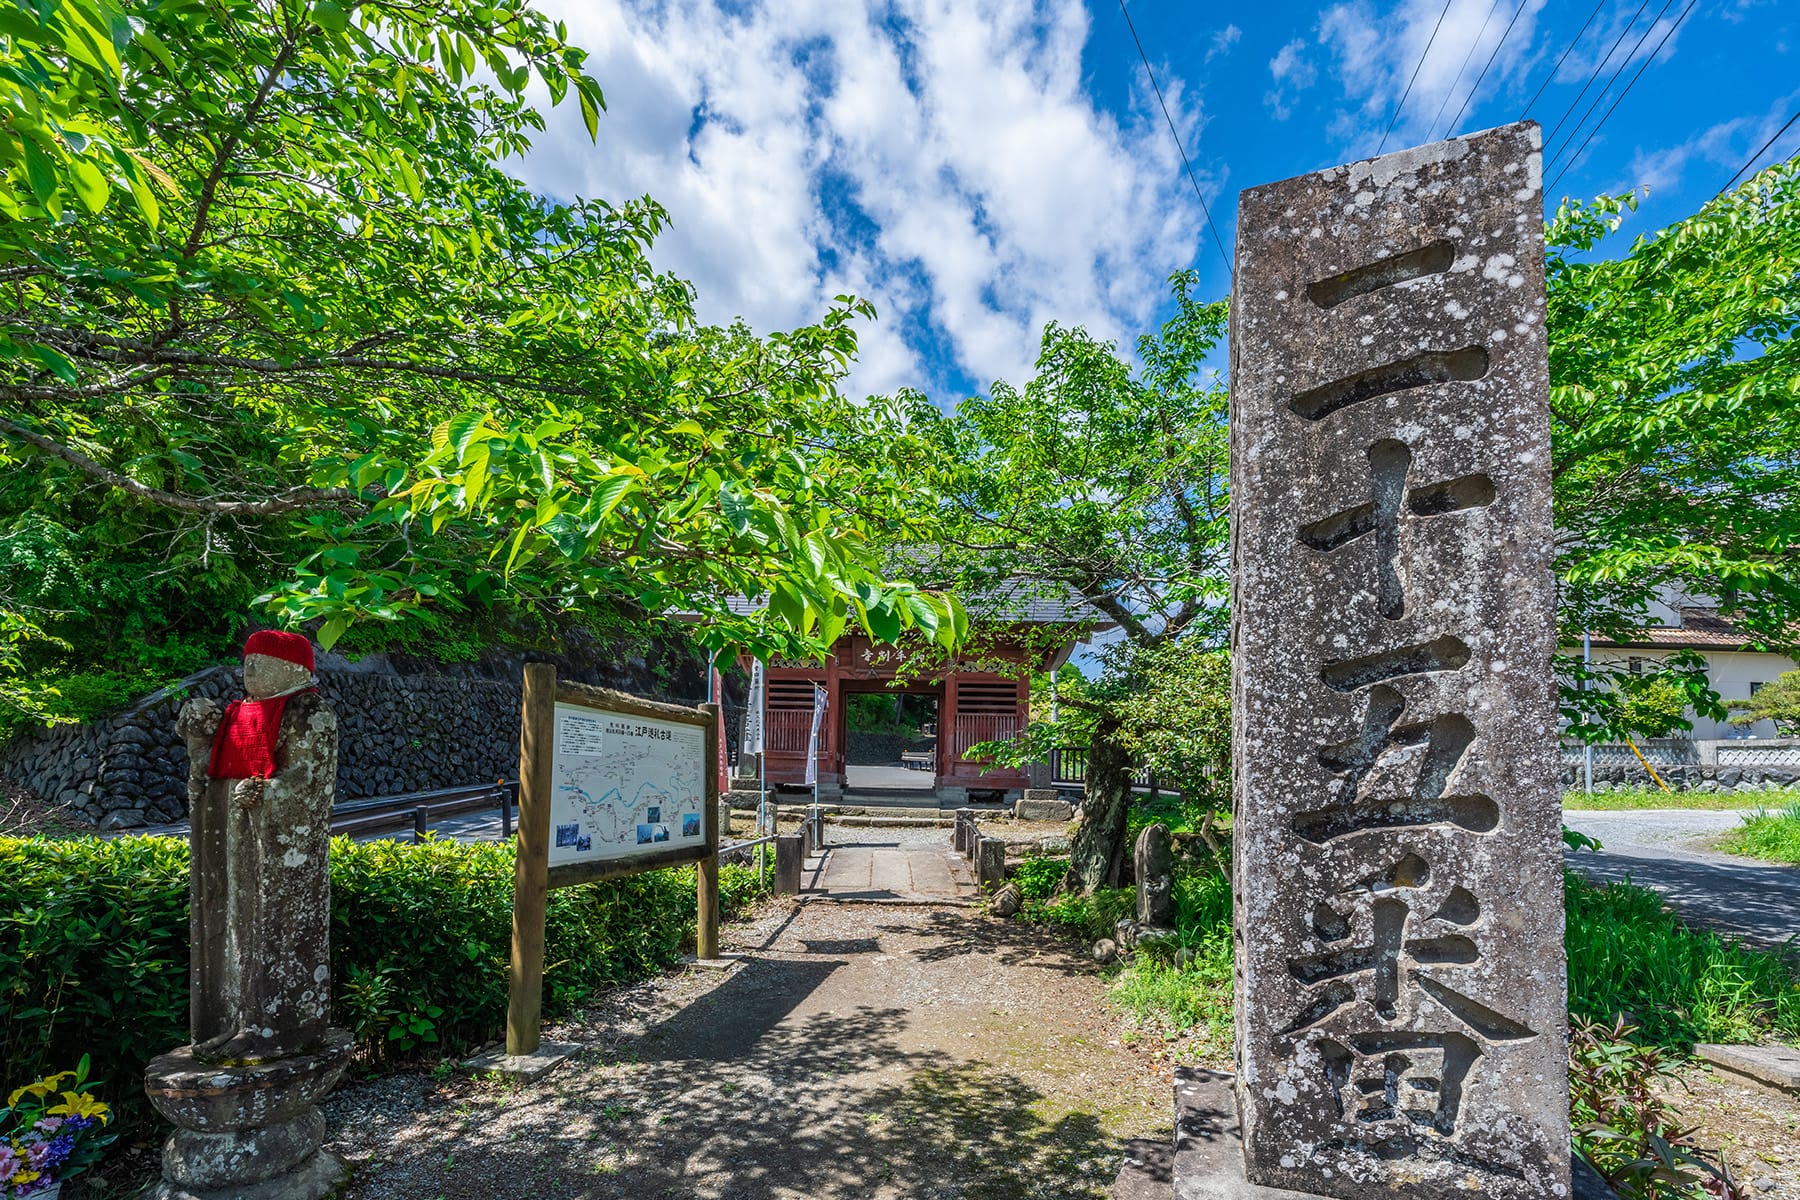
(609, 785)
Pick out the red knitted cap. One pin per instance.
(278, 643)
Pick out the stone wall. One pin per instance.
(1687, 778)
(407, 725)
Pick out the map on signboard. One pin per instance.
(625, 785)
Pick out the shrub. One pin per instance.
(1038, 876)
(94, 946)
(1629, 955)
(1623, 1126)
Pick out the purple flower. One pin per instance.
(77, 1124)
(49, 1124)
(9, 1162)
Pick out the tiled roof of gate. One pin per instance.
(1023, 602)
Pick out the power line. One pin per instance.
(1762, 150)
(1598, 67)
(1642, 67)
(1493, 6)
(1565, 55)
(1223, 257)
(1626, 62)
(1506, 33)
(1415, 75)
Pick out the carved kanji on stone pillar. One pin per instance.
(1398, 874)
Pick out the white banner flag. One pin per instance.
(812, 742)
(753, 717)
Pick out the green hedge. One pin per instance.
(94, 947)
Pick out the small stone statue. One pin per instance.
(262, 775)
(260, 786)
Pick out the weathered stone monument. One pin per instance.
(242, 1094)
(1400, 976)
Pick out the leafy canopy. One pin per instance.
(1675, 402)
(272, 301)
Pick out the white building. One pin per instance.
(1733, 669)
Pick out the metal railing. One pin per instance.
(1068, 768)
(386, 814)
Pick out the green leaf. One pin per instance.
(89, 184)
(40, 169)
(330, 17)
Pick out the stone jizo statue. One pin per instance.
(242, 1095)
(262, 775)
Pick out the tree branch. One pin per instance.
(290, 500)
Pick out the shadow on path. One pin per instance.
(854, 1059)
(1755, 900)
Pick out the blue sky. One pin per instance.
(979, 167)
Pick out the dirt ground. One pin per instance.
(861, 1051)
(1756, 1127)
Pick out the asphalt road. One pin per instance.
(1665, 849)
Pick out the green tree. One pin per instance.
(1105, 483)
(1777, 701)
(275, 313)
(1651, 706)
(1675, 401)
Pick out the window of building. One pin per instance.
(1755, 688)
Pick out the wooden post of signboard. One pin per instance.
(537, 738)
(706, 941)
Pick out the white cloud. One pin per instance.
(1223, 41)
(1293, 73)
(1720, 149)
(1428, 52)
(941, 159)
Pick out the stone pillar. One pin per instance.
(790, 853)
(242, 1095)
(1400, 1007)
(1154, 864)
(990, 862)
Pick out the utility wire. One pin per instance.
(1535, 96)
(1626, 62)
(1751, 161)
(1598, 67)
(1506, 33)
(1415, 75)
(1223, 257)
(1642, 67)
(1493, 7)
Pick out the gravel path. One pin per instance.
(860, 1051)
(1664, 849)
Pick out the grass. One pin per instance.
(1630, 956)
(1653, 797)
(1189, 994)
(1765, 834)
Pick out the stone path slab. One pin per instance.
(877, 870)
(1660, 849)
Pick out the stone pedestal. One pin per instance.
(1400, 999)
(247, 1132)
